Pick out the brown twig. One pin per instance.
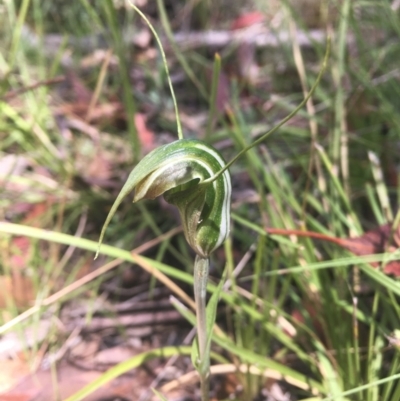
(343, 242)
(11, 94)
(385, 238)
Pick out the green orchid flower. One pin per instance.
(177, 171)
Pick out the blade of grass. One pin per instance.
(336, 183)
(185, 65)
(381, 188)
(157, 269)
(164, 58)
(340, 136)
(213, 95)
(16, 35)
(126, 366)
(282, 122)
(364, 387)
(121, 51)
(285, 373)
(299, 62)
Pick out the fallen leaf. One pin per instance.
(80, 92)
(223, 92)
(20, 247)
(104, 112)
(41, 385)
(392, 268)
(35, 215)
(223, 95)
(147, 138)
(142, 38)
(109, 111)
(246, 65)
(98, 169)
(248, 19)
(374, 241)
(11, 372)
(381, 239)
(14, 343)
(13, 165)
(96, 58)
(227, 387)
(17, 290)
(114, 355)
(246, 62)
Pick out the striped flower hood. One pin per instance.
(176, 171)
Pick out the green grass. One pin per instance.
(295, 311)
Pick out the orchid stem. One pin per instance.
(201, 267)
(164, 59)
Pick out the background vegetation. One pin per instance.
(83, 96)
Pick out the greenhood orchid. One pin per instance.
(177, 171)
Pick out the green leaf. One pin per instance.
(125, 366)
(211, 313)
(195, 355)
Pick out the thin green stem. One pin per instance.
(125, 81)
(279, 125)
(164, 58)
(201, 267)
(367, 386)
(371, 342)
(16, 36)
(213, 95)
(178, 54)
(340, 137)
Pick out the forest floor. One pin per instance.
(310, 309)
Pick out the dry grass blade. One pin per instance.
(99, 272)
